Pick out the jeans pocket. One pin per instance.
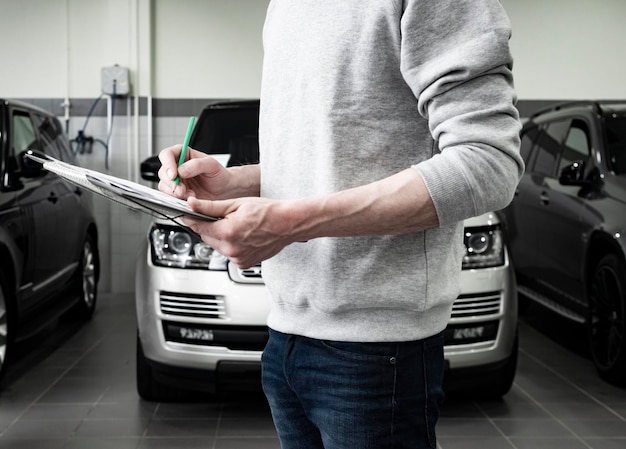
(376, 353)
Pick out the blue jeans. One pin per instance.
(340, 395)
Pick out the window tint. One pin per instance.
(53, 140)
(549, 148)
(528, 140)
(24, 135)
(576, 146)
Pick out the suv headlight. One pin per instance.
(178, 248)
(483, 248)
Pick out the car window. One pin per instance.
(52, 137)
(576, 146)
(549, 147)
(526, 145)
(616, 144)
(24, 135)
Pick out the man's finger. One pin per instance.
(168, 160)
(205, 165)
(218, 209)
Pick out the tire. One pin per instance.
(607, 319)
(523, 304)
(149, 388)
(87, 280)
(6, 332)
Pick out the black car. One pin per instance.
(567, 223)
(49, 261)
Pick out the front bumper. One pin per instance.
(481, 332)
(182, 314)
(483, 328)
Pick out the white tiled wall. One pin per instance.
(121, 229)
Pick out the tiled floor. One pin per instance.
(75, 388)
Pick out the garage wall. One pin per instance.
(184, 53)
(568, 49)
(180, 54)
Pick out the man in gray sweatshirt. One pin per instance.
(384, 124)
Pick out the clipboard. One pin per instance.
(130, 194)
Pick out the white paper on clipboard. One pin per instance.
(128, 193)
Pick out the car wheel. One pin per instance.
(607, 321)
(6, 339)
(150, 388)
(87, 280)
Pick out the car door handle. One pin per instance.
(545, 198)
(53, 198)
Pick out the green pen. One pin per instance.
(183, 151)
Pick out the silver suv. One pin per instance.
(202, 321)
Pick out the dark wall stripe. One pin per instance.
(182, 107)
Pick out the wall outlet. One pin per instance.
(115, 81)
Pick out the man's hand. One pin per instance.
(251, 231)
(204, 177)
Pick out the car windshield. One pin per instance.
(232, 131)
(616, 144)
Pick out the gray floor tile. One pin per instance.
(247, 428)
(247, 443)
(32, 443)
(121, 427)
(175, 443)
(74, 388)
(55, 412)
(548, 443)
(493, 442)
(184, 427)
(45, 429)
(181, 411)
(514, 410)
(102, 443)
(466, 428)
(593, 428)
(606, 443)
(547, 428)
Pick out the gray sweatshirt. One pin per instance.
(355, 91)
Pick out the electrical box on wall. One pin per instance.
(115, 81)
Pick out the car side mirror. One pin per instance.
(30, 168)
(573, 174)
(150, 169)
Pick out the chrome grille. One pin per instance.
(485, 304)
(198, 306)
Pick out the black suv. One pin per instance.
(567, 223)
(48, 236)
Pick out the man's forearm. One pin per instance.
(246, 180)
(395, 205)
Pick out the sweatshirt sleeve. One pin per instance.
(455, 57)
